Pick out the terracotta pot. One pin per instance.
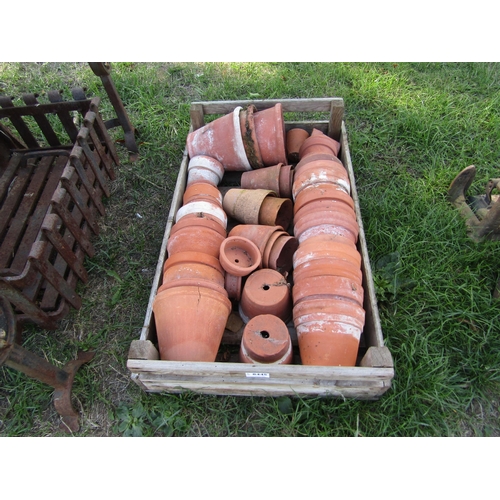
(276, 212)
(281, 254)
(202, 191)
(244, 204)
(270, 130)
(294, 139)
(320, 172)
(319, 143)
(328, 343)
(193, 270)
(264, 178)
(239, 256)
(203, 207)
(249, 136)
(327, 266)
(221, 139)
(327, 286)
(326, 206)
(286, 181)
(203, 168)
(195, 239)
(190, 257)
(318, 156)
(199, 219)
(190, 322)
(327, 246)
(265, 292)
(192, 282)
(328, 331)
(269, 247)
(332, 223)
(266, 340)
(255, 232)
(321, 192)
(233, 286)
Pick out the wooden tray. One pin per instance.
(369, 379)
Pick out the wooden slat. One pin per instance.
(63, 113)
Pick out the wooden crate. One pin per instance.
(369, 379)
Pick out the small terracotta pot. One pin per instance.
(199, 191)
(266, 340)
(265, 292)
(269, 247)
(249, 136)
(221, 139)
(281, 254)
(294, 139)
(244, 204)
(270, 130)
(195, 239)
(319, 143)
(233, 286)
(203, 207)
(255, 232)
(286, 181)
(276, 212)
(203, 168)
(190, 322)
(264, 178)
(326, 206)
(239, 256)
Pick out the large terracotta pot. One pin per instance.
(328, 331)
(265, 292)
(239, 256)
(221, 139)
(327, 246)
(266, 340)
(203, 168)
(294, 139)
(249, 136)
(244, 204)
(193, 270)
(190, 322)
(270, 130)
(189, 257)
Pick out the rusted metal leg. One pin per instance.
(102, 70)
(61, 379)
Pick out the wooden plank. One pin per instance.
(373, 328)
(315, 105)
(143, 349)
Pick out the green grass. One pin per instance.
(412, 127)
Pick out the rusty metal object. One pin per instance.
(50, 198)
(481, 213)
(103, 70)
(15, 356)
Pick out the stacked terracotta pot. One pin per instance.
(192, 306)
(328, 309)
(243, 140)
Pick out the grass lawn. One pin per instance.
(412, 127)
